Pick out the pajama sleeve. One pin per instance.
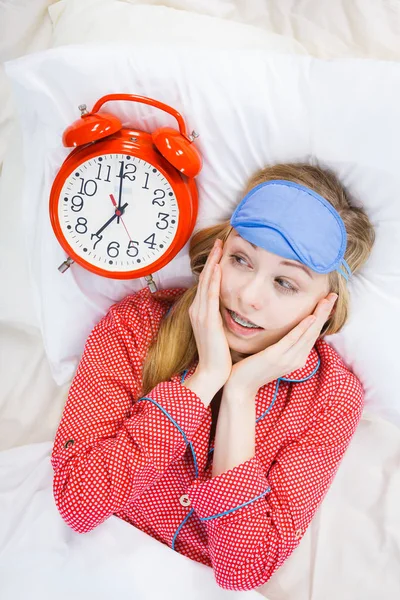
(112, 445)
(255, 519)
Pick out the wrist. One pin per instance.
(203, 386)
(237, 394)
(235, 389)
(211, 380)
(235, 434)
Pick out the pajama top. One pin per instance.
(148, 459)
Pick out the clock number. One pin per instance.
(81, 225)
(161, 195)
(135, 249)
(84, 187)
(129, 174)
(108, 172)
(113, 249)
(164, 217)
(145, 187)
(99, 238)
(150, 241)
(76, 207)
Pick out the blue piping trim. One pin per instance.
(196, 468)
(180, 527)
(272, 403)
(291, 381)
(305, 378)
(184, 375)
(236, 507)
(167, 415)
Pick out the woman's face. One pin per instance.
(267, 290)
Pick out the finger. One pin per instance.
(210, 260)
(307, 331)
(199, 302)
(207, 273)
(291, 338)
(323, 310)
(213, 292)
(321, 314)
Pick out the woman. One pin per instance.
(215, 418)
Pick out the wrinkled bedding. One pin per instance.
(352, 548)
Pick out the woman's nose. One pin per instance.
(251, 296)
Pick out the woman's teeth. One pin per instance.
(242, 322)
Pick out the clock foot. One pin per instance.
(65, 265)
(151, 283)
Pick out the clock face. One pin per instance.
(118, 212)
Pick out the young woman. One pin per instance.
(215, 418)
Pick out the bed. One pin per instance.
(352, 548)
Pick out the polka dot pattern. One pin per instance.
(149, 462)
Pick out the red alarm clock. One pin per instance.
(124, 202)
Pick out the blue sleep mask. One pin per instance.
(294, 222)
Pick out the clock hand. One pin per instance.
(115, 215)
(113, 200)
(118, 213)
(121, 173)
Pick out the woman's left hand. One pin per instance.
(287, 355)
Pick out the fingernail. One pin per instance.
(334, 297)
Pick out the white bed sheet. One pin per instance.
(43, 559)
(34, 562)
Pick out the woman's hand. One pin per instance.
(215, 361)
(287, 355)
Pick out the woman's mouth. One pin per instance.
(231, 319)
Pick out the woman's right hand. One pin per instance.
(215, 362)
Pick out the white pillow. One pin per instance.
(251, 109)
(88, 21)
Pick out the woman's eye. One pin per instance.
(236, 260)
(285, 286)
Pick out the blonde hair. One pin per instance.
(174, 348)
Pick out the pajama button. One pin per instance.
(69, 443)
(185, 500)
(298, 534)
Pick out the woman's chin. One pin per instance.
(238, 349)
